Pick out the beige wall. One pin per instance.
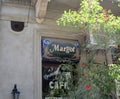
(20, 52)
(16, 61)
(20, 57)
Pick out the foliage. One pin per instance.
(96, 81)
(91, 16)
(114, 71)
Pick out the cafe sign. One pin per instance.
(56, 79)
(60, 50)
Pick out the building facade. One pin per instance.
(23, 24)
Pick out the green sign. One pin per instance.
(59, 49)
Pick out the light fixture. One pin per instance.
(15, 92)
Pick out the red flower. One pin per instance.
(83, 64)
(107, 17)
(105, 12)
(88, 87)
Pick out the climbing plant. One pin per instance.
(91, 16)
(95, 81)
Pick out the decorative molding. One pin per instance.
(16, 17)
(37, 66)
(40, 9)
(26, 13)
(37, 69)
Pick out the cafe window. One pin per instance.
(57, 70)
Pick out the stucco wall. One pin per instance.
(17, 63)
(16, 60)
(20, 57)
